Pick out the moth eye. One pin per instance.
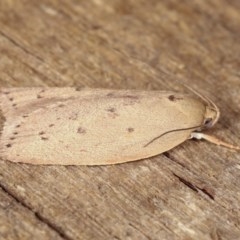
(207, 122)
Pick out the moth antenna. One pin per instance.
(174, 130)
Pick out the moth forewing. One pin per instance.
(94, 126)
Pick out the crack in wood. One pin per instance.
(190, 185)
(186, 183)
(194, 187)
(205, 191)
(42, 219)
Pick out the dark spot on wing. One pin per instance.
(18, 126)
(83, 150)
(174, 98)
(9, 145)
(41, 133)
(111, 94)
(126, 98)
(123, 96)
(51, 125)
(130, 129)
(67, 146)
(111, 109)
(11, 99)
(171, 98)
(58, 118)
(96, 27)
(113, 114)
(78, 89)
(42, 91)
(81, 130)
(44, 138)
(74, 116)
(39, 96)
(12, 138)
(6, 93)
(25, 116)
(15, 133)
(14, 105)
(61, 105)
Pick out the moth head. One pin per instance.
(212, 112)
(212, 115)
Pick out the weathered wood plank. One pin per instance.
(17, 221)
(191, 192)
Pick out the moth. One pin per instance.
(71, 126)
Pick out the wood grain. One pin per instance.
(190, 192)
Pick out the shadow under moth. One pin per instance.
(68, 126)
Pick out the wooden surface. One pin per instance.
(191, 192)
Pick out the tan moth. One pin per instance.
(68, 126)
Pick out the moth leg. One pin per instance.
(212, 139)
